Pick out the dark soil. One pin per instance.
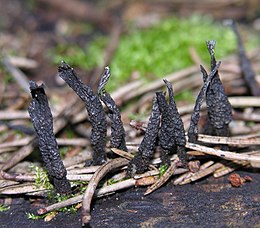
(208, 203)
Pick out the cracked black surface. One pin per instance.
(117, 129)
(95, 111)
(146, 149)
(42, 120)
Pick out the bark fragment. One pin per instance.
(141, 161)
(117, 128)
(42, 120)
(94, 108)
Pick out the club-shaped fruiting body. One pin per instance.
(42, 120)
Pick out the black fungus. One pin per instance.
(247, 70)
(95, 111)
(193, 129)
(172, 133)
(117, 129)
(146, 149)
(42, 120)
(219, 108)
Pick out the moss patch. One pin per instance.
(154, 52)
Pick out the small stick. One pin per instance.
(13, 115)
(156, 173)
(229, 140)
(170, 171)
(99, 174)
(32, 177)
(122, 153)
(19, 155)
(229, 167)
(73, 142)
(7, 183)
(202, 173)
(253, 117)
(86, 170)
(18, 75)
(7, 149)
(81, 177)
(15, 143)
(128, 156)
(223, 154)
(187, 175)
(22, 62)
(17, 177)
(65, 203)
(77, 159)
(244, 101)
(20, 189)
(155, 85)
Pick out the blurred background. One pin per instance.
(137, 39)
(141, 41)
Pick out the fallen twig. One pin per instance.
(20, 189)
(85, 170)
(17, 74)
(202, 173)
(242, 102)
(253, 159)
(13, 115)
(179, 83)
(229, 167)
(128, 156)
(99, 174)
(170, 171)
(187, 175)
(230, 140)
(22, 62)
(122, 153)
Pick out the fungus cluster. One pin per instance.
(164, 129)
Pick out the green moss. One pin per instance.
(35, 217)
(78, 57)
(4, 207)
(42, 179)
(63, 151)
(154, 52)
(162, 169)
(186, 95)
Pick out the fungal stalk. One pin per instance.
(42, 120)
